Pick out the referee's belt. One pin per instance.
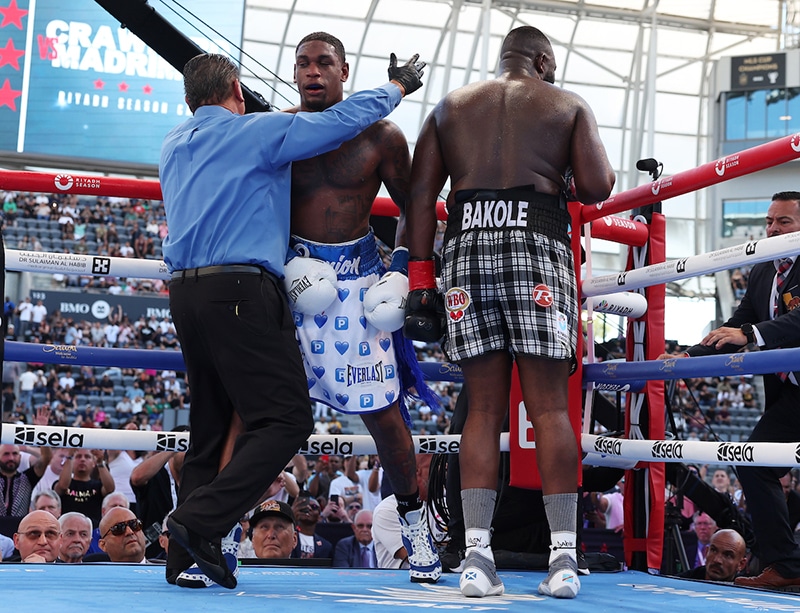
(224, 269)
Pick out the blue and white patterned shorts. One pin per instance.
(350, 365)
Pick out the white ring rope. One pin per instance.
(751, 252)
(146, 440)
(80, 264)
(599, 450)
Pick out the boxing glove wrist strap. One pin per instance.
(399, 260)
(421, 274)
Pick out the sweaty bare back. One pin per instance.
(512, 131)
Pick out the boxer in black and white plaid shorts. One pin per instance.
(505, 287)
(509, 279)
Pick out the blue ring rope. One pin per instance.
(154, 358)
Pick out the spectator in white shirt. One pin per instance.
(38, 313)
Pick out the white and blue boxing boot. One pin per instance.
(193, 577)
(479, 577)
(562, 579)
(423, 558)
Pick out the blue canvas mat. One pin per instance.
(90, 588)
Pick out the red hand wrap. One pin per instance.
(421, 274)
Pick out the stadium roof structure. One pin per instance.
(642, 65)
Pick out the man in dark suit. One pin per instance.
(768, 318)
(357, 551)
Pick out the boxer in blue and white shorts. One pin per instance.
(350, 364)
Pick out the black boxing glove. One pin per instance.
(425, 317)
(409, 75)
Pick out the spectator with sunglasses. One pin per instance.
(37, 539)
(121, 536)
(306, 515)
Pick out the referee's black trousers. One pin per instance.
(238, 341)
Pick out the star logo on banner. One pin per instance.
(147, 89)
(12, 14)
(99, 84)
(9, 55)
(123, 87)
(8, 96)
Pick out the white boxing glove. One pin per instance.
(385, 302)
(310, 284)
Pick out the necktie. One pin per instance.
(784, 264)
(366, 558)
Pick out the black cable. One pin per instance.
(436, 503)
(233, 44)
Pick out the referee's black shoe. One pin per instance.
(208, 555)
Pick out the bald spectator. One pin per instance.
(111, 501)
(725, 559)
(272, 530)
(47, 500)
(121, 536)
(38, 538)
(76, 534)
(357, 551)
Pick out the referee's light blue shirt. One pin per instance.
(226, 178)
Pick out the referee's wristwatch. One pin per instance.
(747, 330)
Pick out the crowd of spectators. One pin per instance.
(66, 223)
(704, 408)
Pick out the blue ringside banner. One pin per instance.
(75, 83)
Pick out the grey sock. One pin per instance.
(561, 510)
(478, 505)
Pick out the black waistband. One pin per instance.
(225, 269)
(516, 208)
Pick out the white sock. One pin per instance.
(562, 542)
(479, 540)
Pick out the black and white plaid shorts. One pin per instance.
(509, 290)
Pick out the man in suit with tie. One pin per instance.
(768, 318)
(357, 551)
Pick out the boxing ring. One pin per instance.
(636, 293)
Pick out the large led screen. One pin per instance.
(75, 83)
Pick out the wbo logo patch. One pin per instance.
(456, 301)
